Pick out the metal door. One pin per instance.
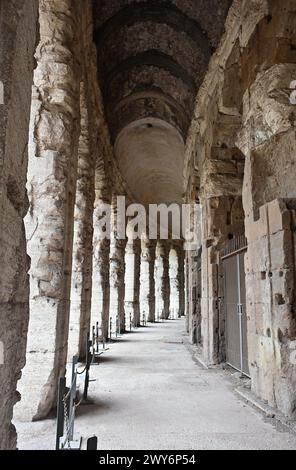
(235, 310)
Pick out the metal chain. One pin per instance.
(66, 419)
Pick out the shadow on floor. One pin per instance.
(92, 406)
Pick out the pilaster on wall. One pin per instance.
(51, 189)
(147, 281)
(18, 26)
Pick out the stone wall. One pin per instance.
(268, 141)
(242, 143)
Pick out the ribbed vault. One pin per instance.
(153, 56)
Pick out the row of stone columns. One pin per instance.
(137, 284)
(79, 276)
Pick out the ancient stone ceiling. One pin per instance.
(152, 58)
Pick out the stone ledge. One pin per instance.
(268, 411)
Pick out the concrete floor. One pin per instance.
(150, 394)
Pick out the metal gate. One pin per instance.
(235, 304)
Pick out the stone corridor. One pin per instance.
(149, 393)
(147, 170)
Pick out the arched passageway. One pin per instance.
(143, 145)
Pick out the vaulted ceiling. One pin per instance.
(152, 58)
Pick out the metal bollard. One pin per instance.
(97, 338)
(130, 322)
(92, 443)
(110, 328)
(93, 338)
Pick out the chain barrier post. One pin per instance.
(88, 362)
(92, 443)
(60, 411)
(97, 338)
(66, 406)
(93, 338)
(72, 397)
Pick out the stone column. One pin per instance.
(147, 289)
(51, 189)
(177, 281)
(17, 38)
(81, 289)
(117, 273)
(132, 284)
(174, 284)
(187, 292)
(181, 280)
(162, 280)
(100, 304)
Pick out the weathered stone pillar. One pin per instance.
(162, 280)
(174, 283)
(100, 302)
(191, 317)
(132, 283)
(17, 38)
(222, 219)
(187, 292)
(81, 289)
(181, 280)
(117, 273)
(269, 197)
(51, 189)
(147, 289)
